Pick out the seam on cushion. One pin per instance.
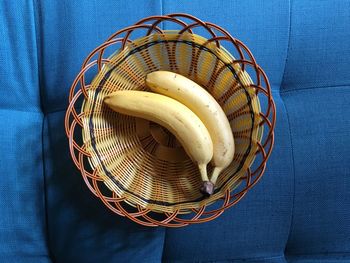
(313, 88)
(281, 93)
(244, 259)
(44, 188)
(161, 3)
(40, 112)
(319, 254)
(293, 165)
(38, 33)
(288, 43)
(288, 121)
(225, 259)
(20, 110)
(309, 255)
(38, 20)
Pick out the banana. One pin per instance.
(176, 117)
(205, 107)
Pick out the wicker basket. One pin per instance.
(137, 167)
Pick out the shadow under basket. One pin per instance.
(136, 167)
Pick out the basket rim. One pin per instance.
(73, 120)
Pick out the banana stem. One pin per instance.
(207, 187)
(203, 171)
(215, 174)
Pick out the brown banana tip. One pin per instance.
(107, 100)
(207, 188)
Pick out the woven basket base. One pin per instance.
(141, 161)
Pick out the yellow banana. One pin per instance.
(176, 117)
(205, 107)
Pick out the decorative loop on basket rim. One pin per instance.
(158, 20)
(100, 60)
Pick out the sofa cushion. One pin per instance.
(297, 213)
(319, 47)
(316, 93)
(320, 125)
(22, 193)
(80, 227)
(70, 30)
(22, 220)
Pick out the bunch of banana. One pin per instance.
(190, 113)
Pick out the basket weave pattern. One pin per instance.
(136, 167)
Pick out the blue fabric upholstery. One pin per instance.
(319, 47)
(89, 226)
(298, 212)
(22, 207)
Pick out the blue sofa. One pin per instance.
(300, 210)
